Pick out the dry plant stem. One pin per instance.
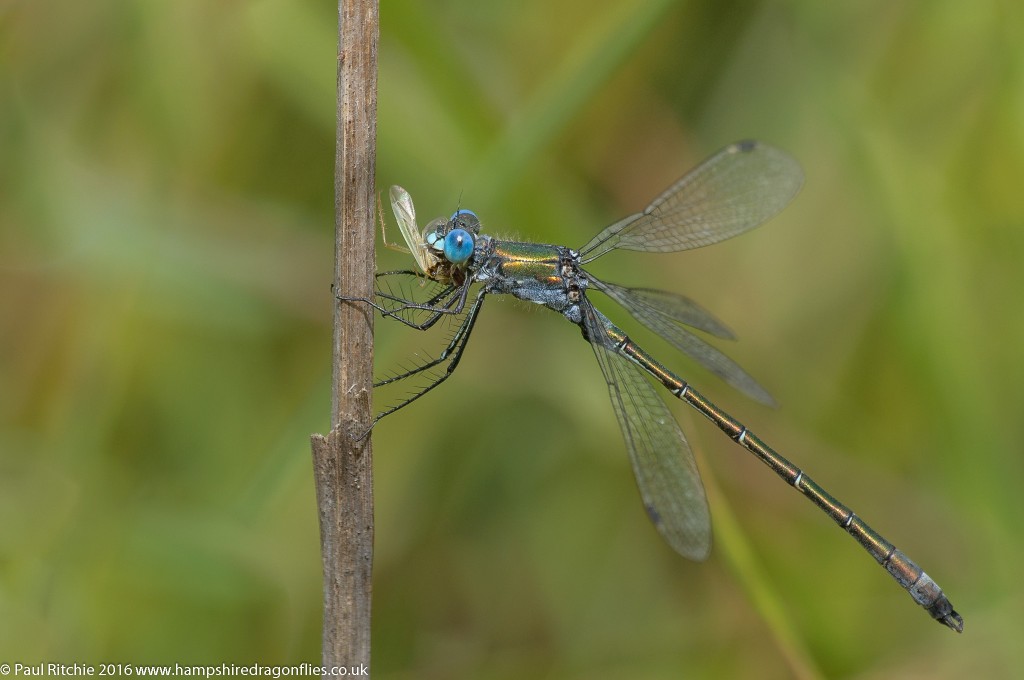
(343, 466)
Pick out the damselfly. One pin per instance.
(735, 190)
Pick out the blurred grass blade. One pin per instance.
(598, 51)
(735, 548)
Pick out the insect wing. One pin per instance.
(663, 463)
(405, 215)
(737, 189)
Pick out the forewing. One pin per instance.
(662, 312)
(674, 307)
(740, 187)
(663, 463)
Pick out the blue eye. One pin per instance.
(458, 246)
(465, 219)
(457, 213)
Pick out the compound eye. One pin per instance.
(465, 219)
(458, 246)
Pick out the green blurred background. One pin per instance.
(166, 226)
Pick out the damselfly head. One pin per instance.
(454, 238)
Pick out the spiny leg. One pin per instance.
(451, 300)
(452, 353)
(457, 338)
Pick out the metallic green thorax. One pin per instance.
(526, 261)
